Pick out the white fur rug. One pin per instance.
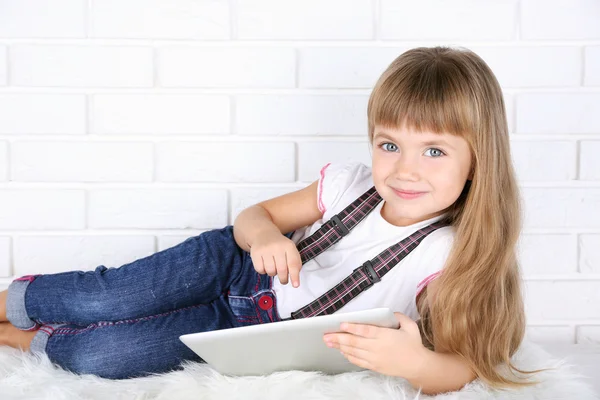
(24, 376)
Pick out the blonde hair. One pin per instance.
(478, 310)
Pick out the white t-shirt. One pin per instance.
(339, 185)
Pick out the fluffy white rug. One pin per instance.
(23, 376)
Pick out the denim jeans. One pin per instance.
(125, 322)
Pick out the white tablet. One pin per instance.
(280, 346)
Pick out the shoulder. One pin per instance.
(349, 169)
(338, 180)
(433, 254)
(438, 243)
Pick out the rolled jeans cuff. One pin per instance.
(40, 340)
(15, 304)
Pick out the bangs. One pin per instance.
(432, 96)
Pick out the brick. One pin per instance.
(561, 207)
(564, 20)
(242, 198)
(81, 66)
(533, 66)
(561, 113)
(588, 334)
(589, 167)
(301, 115)
(42, 114)
(3, 65)
(509, 101)
(299, 20)
(226, 67)
(589, 253)
(550, 334)
(457, 20)
(3, 161)
(42, 209)
(312, 156)
(562, 300)
(168, 241)
(158, 208)
(5, 257)
(156, 19)
(160, 114)
(82, 162)
(225, 162)
(43, 19)
(535, 259)
(343, 67)
(544, 160)
(592, 66)
(54, 254)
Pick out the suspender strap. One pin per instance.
(365, 276)
(338, 226)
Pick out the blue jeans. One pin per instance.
(125, 322)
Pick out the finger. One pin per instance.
(407, 324)
(359, 361)
(350, 340)
(258, 264)
(294, 263)
(282, 271)
(356, 352)
(269, 264)
(363, 330)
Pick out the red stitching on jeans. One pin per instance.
(72, 331)
(247, 319)
(47, 329)
(29, 278)
(274, 309)
(33, 328)
(257, 283)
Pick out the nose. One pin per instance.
(406, 168)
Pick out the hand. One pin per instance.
(274, 254)
(394, 352)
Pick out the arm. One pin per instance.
(281, 214)
(249, 223)
(440, 372)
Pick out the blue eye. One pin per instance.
(438, 152)
(383, 144)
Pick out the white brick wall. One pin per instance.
(128, 126)
(3, 65)
(159, 114)
(175, 19)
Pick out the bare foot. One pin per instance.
(14, 337)
(3, 295)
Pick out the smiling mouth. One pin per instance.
(410, 194)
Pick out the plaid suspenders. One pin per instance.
(369, 273)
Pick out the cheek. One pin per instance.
(449, 179)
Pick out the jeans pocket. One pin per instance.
(244, 310)
(260, 308)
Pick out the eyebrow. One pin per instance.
(427, 143)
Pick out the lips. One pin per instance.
(407, 191)
(408, 194)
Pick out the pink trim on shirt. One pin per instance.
(426, 281)
(320, 201)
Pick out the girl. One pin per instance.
(441, 179)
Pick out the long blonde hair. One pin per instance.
(478, 310)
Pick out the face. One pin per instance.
(418, 174)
